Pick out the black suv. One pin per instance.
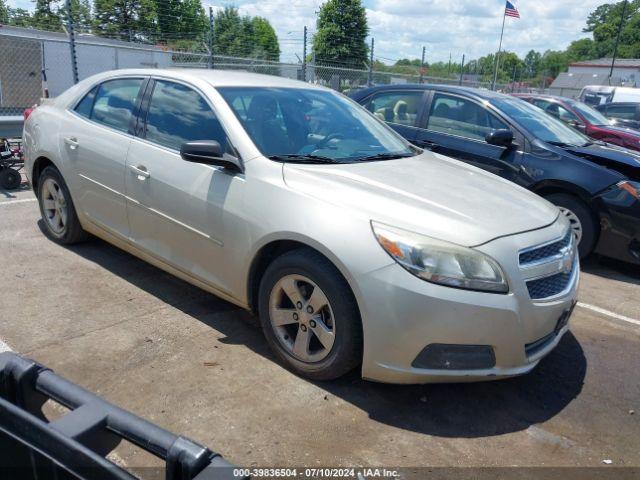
(596, 185)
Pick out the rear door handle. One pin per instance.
(72, 142)
(141, 171)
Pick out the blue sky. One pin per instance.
(402, 27)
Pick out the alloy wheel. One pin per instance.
(575, 223)
(302, 319)
(54, 206)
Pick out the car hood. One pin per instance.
(619, 129)
(610, 156)
(429, 194)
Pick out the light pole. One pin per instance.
(615, 49)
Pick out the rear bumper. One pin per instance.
(619, 216)
(404, 314)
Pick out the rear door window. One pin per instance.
(115, 103)
(396, 107)
(461, 117)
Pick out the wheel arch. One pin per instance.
(549, 187)
(272, 248)
(39, 164)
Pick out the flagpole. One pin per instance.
(495, 74)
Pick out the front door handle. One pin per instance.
(72, 142)
(141, 171)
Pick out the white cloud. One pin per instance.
(470, 27)
(402, 27)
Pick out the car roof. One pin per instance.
(475, 92)
(544, 97)
(216, 78)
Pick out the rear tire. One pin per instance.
(58, 213)
(293, 282)
(581, 218)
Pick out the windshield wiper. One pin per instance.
(384, 156)
(301, 158)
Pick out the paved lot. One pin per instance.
(200, 367)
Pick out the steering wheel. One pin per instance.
(328, 138)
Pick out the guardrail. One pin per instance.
(76, 445)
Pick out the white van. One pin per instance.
(599, 95)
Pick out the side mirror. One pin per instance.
(577, 125)
(500, 138)
(209, 152)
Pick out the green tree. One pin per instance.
(46, 16)
(265, 38)
(133, 20)
(341, 33)
(232, 33)
(554, 62)
(181, 20)
(532, 64)
(604, 23)
(81, 12)
(19, 17)
(4, 12)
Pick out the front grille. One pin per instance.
(549, 286)
(546, 251)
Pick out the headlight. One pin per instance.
(630, 187)
(441, 262)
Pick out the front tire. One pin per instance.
(581, 219)
(58, 213)
(309, 316)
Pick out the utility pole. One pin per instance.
(370, 81)
(449, 67)
(513, 82)
(211, 39)
(424, 52)
(72, 43)
(304, 55)
(615, 49)
(462, 69)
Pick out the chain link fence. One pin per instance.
(38, 63)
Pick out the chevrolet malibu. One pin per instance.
(352, 246)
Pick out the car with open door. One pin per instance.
(596, 185)
(585, 119)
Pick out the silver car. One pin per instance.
(354, 247)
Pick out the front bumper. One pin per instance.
(403, 314)
(619, 214)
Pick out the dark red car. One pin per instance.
(586, 119)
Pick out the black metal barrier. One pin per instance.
(75, 446)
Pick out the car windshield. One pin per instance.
(591, 114)
(539, 123)
(313, 126)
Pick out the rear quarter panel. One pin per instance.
(40, 137)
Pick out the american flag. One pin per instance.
(511, 10)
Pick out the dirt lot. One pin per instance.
(199, 366)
